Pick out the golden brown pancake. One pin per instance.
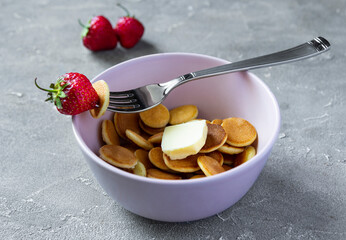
(138, 140)
(188, 164)
(156, 158)
(109, 134)
(102, 90)
(245, 156)
(158, 174)
(183, 114)
(156, 138)
(226, 167)
(129, 170)
(140, 169)
(197, 176)
(143, 156)
(217, 156)
(229, 159)
(123, 121)
(217, 121)
(150, 130)
(156, 117)
(216, 137)
(209, 165)
(240, 133)
(199, 172)
(130, 146)
(228, 149)
(118, 156)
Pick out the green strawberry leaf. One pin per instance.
(85, 28)
(58, 103)
(62, 95)
(56, 92)
(49, 99)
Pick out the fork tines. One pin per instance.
(123, 101)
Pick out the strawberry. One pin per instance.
(72, 94)
(128, 30)
(99, 34)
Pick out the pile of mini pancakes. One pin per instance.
(133, 144)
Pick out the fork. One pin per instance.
(149, 96)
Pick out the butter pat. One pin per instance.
(182, 140)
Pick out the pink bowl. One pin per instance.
(239, 94)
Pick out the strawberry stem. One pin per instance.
(56, 92)
(80, 23)
(43, 89)
(125, 9)
(85, 28)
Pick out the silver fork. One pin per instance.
(146, 97)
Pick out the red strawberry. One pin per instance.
(72, 94)
(99, 34)
(128, 30)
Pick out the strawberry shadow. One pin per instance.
(120, 54)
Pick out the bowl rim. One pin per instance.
(234, 171)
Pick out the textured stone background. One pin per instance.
(46, 188)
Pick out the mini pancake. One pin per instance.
(245, 156)
(209, 165)
(217, 156)
(157, 138)
(129, 170)
(123, 121)
(118, 156)
(150, 130)
(130, 146)
(183, 114)
(143, 156)
(156, 158)
(226, 167)
(144, 135)
(109, 135)
(185, 175)
(188, 164)
(140, 169)
(217, 121)
(229, 159)
(197, 176)
(228, 149)
(156, 117)
(199, 172)
(138, 140)
(216, 137)
(240, 133)
(102, 90)
(158, 174)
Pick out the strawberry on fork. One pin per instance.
(72, 94)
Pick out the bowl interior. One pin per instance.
(238, 94)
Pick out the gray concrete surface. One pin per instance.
(46, 188)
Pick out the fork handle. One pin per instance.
(311, 48)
